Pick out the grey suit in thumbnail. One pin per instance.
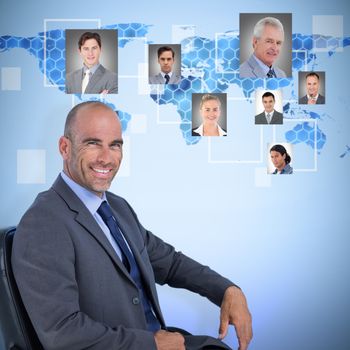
(251, 69)
(277, 118)
(158, 79)
(102, 79)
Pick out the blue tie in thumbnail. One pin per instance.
(271, 73)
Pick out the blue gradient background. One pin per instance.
(287, 245)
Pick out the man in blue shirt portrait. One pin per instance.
(87, 269)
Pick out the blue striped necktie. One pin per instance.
(271, 73)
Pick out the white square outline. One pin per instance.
(46, 20)
(227, 34)
(327, 49)
(98, 20)
(237, 161)
(263, 170)
(232, 161)
(315, 168)
(144, 38)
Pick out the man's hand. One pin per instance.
(169, 340)
(234, 310)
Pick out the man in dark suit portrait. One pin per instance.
(87, 269)
(270, 115)
(93, 78)
(268, 38)
(166, 59)
(312, 91)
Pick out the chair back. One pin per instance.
(16, 329)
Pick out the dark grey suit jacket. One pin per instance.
(320, 100)
(102, 79)
(76, 290)
(277, 118)
(251, 69)
(158, 79)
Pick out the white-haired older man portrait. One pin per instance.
(268, 38)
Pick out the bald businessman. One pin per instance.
(87, 269)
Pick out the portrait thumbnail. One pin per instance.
(312, 88)
(164, 63)
(280, 158)
(91, 61)
(209, 114)
(268, 107)
(265, 45)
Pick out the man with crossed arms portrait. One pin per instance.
(93, 78)
(87, 269)
(267, 42)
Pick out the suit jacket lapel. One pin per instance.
(78, 81)
(173, 79)
(85, 219)
(257, 70)
(127, 232)
(277, 117)
(160, 78)
(95, 79)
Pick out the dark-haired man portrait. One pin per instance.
(93, 77)
(269, 115)
(313, 95)
(166, 60)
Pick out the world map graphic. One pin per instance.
(206, 63)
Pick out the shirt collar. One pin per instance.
(271, 113)
(262, 65)
(92, 70)
(284, 170)
(199, 130)
(312, 98)
(91, 200)
(163, 74)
